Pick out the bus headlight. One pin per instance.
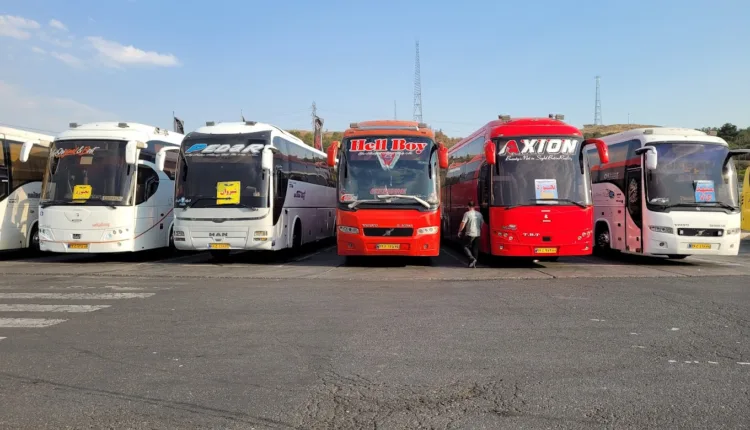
(733, 231)
(661, 229)
(427, 230)
(511, 227)
(45, 234)
(261, 233)
(179, 233)
(349, 230)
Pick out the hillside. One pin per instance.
(590, 130)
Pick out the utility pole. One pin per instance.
(417, 90)
(598, 105)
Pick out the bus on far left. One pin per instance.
(21, 187)
(102, 192)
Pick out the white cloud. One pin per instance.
(116, 54)
(44, 37)
(68, 59)
(57, 25)
(38, 50)
(20, 108)
(17, 27)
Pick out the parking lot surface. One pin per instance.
(302, 340)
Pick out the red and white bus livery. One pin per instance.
(531, 183)
(388, 189)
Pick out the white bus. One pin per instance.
(666, 192)
(21, 187)
(102, 192)
(251, 186)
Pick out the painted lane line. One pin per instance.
(27, 322)
(1, 338)
(75, 296)
(742, 363)
(51, 308)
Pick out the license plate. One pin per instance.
(219, 246)
(699, 246)
(388, 246)
(78, 246)
(545, 250)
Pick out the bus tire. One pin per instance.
(171, 249)
(297, 235)
(34, 240)
(602, 240)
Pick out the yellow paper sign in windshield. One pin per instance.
(228, 193)
(82, 192)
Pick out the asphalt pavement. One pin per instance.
(303, 341)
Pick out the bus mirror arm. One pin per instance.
(131, 151)
(266, 159)
(651, 160)
(735, 153)
(26, 151)
(161, 157)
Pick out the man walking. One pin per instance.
(473, 223)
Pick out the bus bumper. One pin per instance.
(427, 245)
(671, 244)
(125, 245)
(502, 248)
(199, 239)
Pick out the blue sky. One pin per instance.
(679, 63)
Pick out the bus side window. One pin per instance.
(170, 164)
(146, 185)
(4, 184)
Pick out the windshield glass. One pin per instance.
(388, 165)
(90, 172)
(221, 171)
(691, 174)
(540, 171)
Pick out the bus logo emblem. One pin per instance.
(388, 232)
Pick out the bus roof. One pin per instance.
(527, 126)
(658, 134)
(250, 127)
(120, 131)
(389, 127)
(24, 136)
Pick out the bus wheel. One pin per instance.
(34, 241)
(297, 235)
(602, 245)
(677, 257)
(170, 246)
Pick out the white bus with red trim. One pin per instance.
(21, 187)
(666, 191)
(102, 192)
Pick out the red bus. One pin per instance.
(388, 176)
(531, 183)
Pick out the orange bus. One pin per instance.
(388, 188)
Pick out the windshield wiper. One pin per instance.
(59, 203)
(702, 204)
(536, 203)
(109, 205)
(201, 198)
(399, 196)
(356, 203)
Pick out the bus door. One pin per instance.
(633, 215)
(485, 196)
(4, 178)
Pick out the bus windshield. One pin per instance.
(221, 171)
(692, 174)
(89, 172)
(377, 166)
(532, 171)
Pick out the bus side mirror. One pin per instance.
(266, 159)
(131, 152)
(442, 156)
(26, 151)
(490, 152)
(651, 158)
(332, 153)
(601, 149)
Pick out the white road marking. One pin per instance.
(742, 363)
(75, 296)
(639, 346)
(598, 320)
(27, 322)
(713, 362)
(673, 361)
(675, 328)
(1, 338)
(634, 334)
(51, 308)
